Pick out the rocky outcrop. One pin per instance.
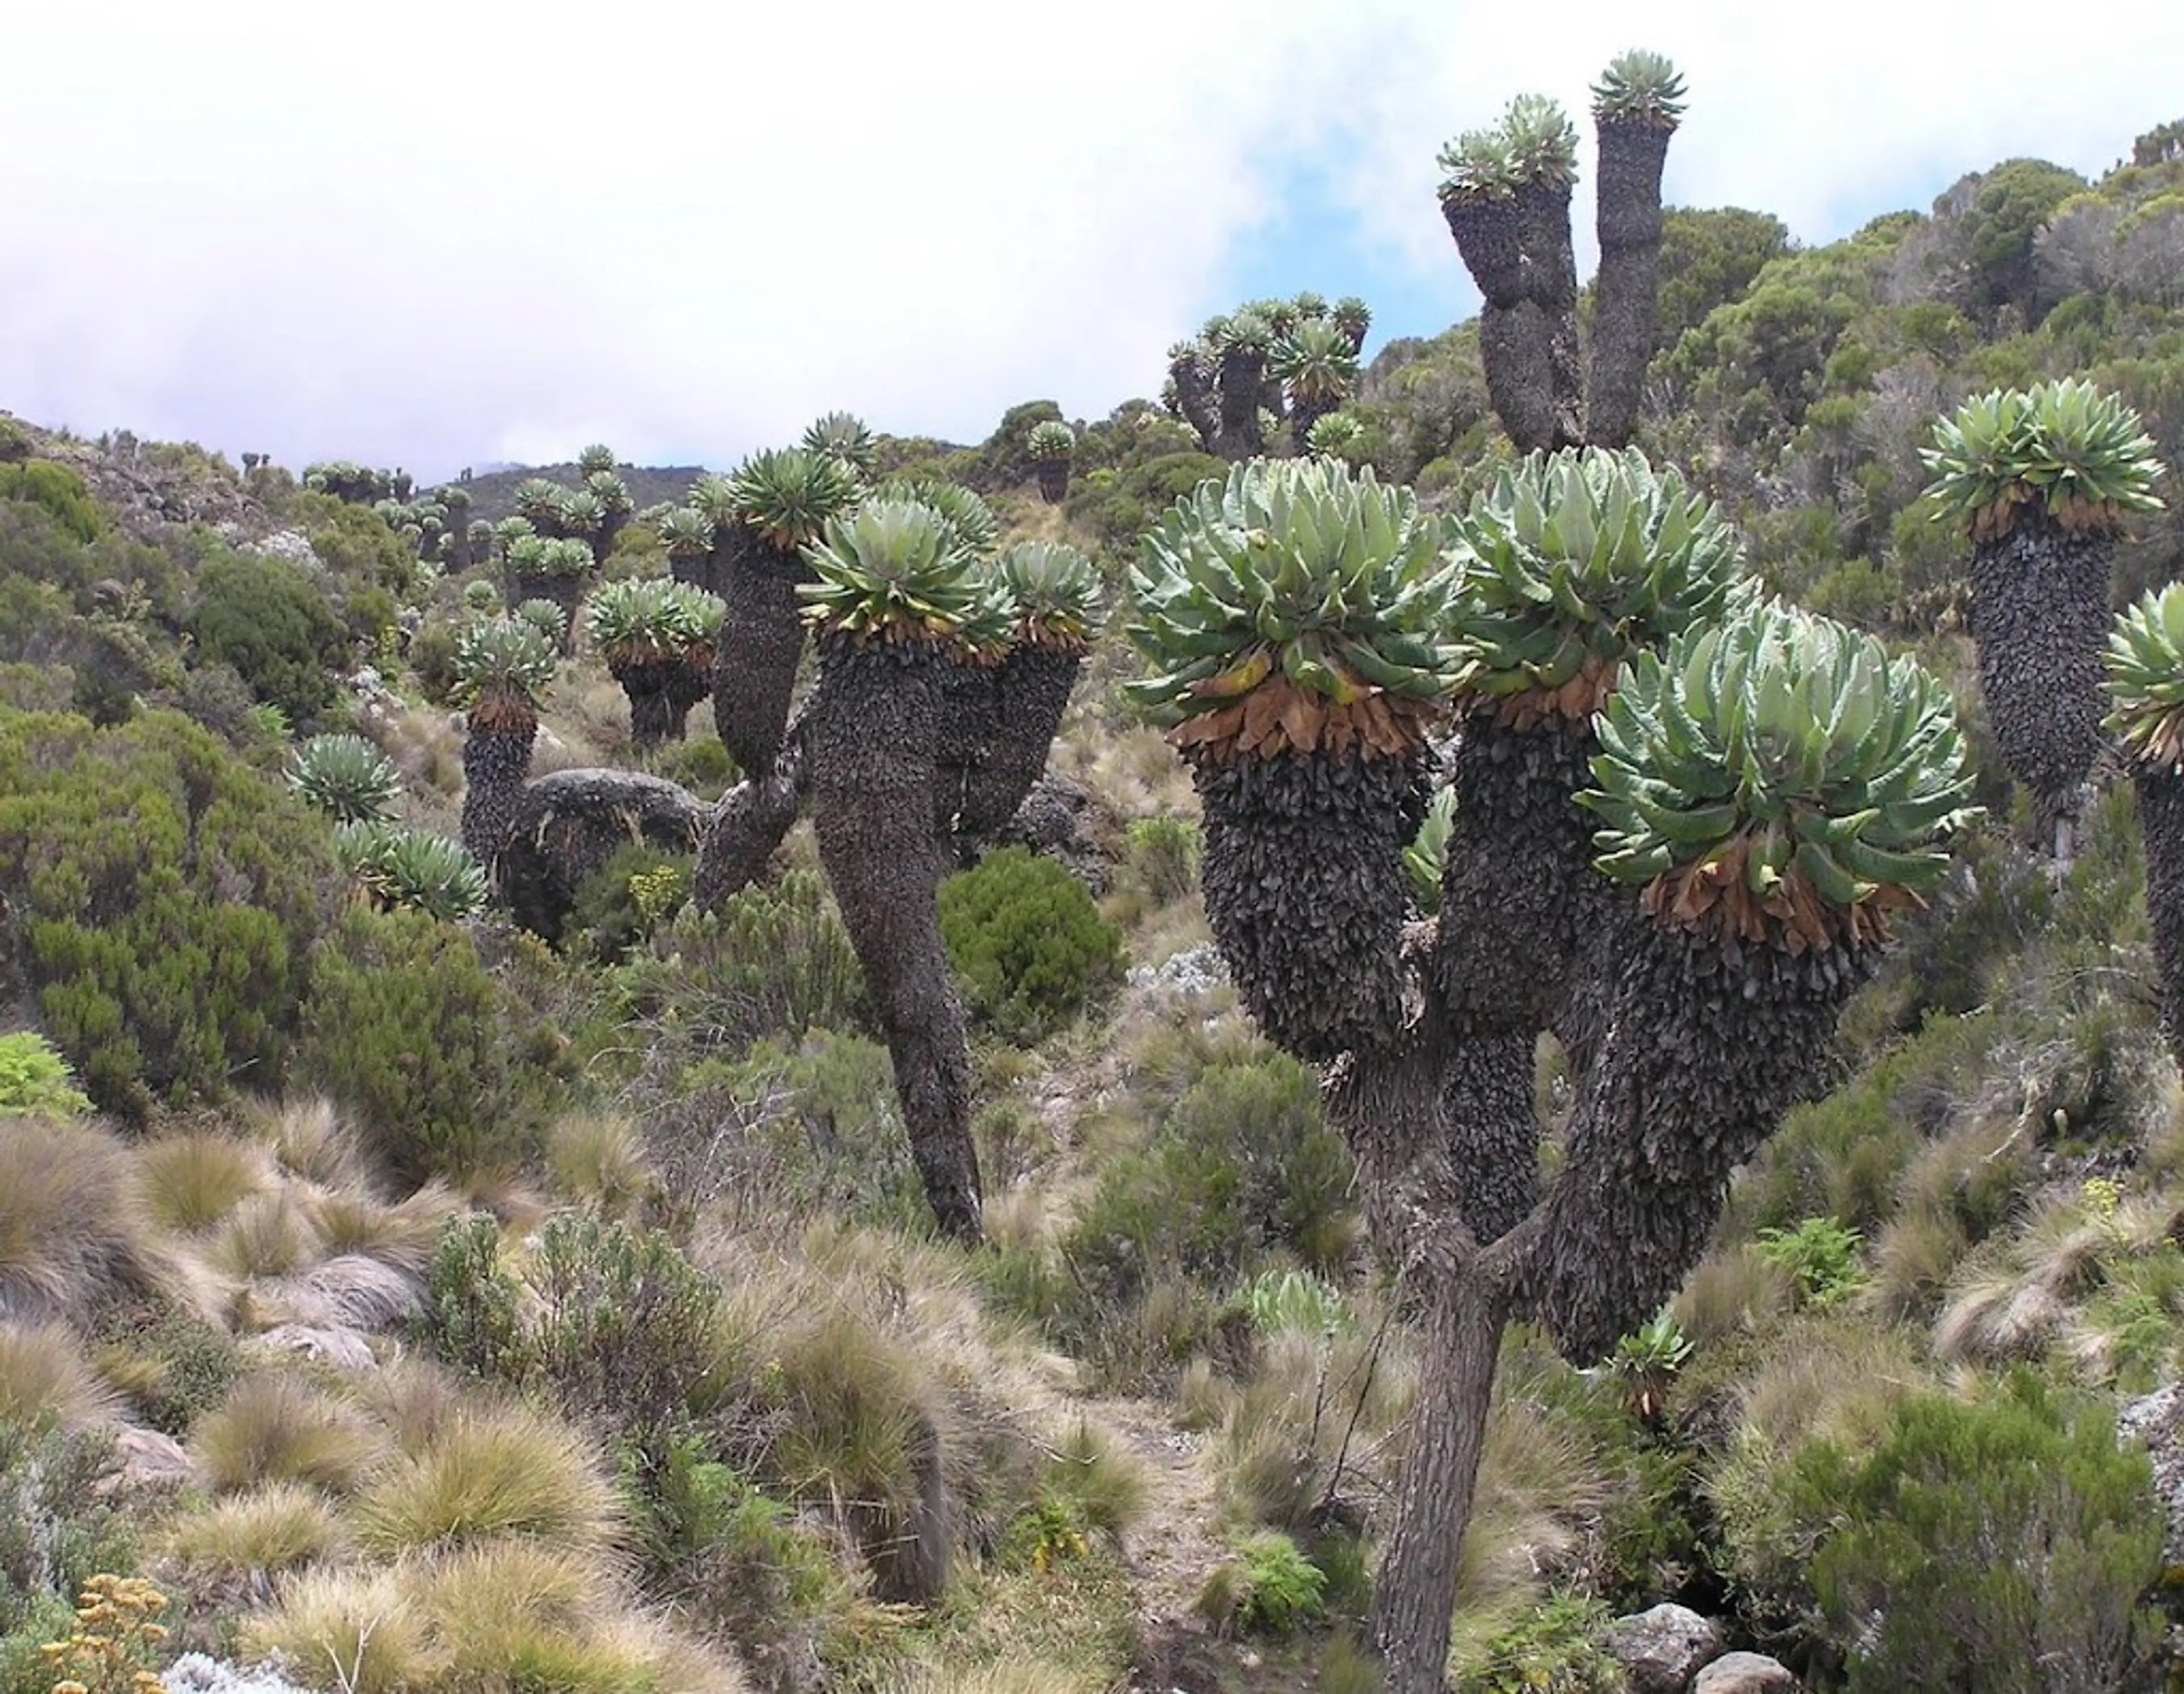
(1662, 1648)
(1067, 822)
(569, 824)
(1745, 1673)
(2155, 1419)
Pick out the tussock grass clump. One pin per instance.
(252, 1536)
(191, 1181)
(71, 1225)
(357, 1632)
(310, 1142)
(490, 1471)
(1309, 1403)
(402, 1235)
(275, 1427)
(268, 1234)
(44, 1375)
(598, 1159)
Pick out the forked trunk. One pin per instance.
(968, 724)
(2161, 817)
(1628, 215)
(1512, 346)
(1031, 691)
(2039, 615)
(750, 823)
(694, 569)
(1543, 224)
(662, 691)
(761, 644)
(565, 592)
(874, 726)
(495, 762)
(1710, 1045)
(1486, 240)
(1193, 395)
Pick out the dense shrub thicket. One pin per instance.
(1029, 945)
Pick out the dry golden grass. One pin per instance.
(360, 1632)
(71, 1224)
(1733, 1292)
(311, 1143)
(1308, 1401)
(411, 1398)
(269, 1234)
(275, 1427)
(402, 1235)
(598, 1159)
(43, 1372)
(191, 1181)
(489, 1471)
(263, 1531)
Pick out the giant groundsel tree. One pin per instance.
(2041, 481)
(1764, 787)
(2145, 662)
(1506, 194)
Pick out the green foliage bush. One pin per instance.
(35, 1079)
(1821, 1255)
(1982, 1545)
(56, 489)
(772, 962)
(1163, 854)
(1551, 1650)
(270, 621)
(1269, 1588)
(622, 904)
(1243, 1164)
(1029, 945)
(403, 1024)
(162, 895)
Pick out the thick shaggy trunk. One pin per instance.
(1194, 394)
(1627, 215)
(760, 643)
(695, 569)
(1512, 346)
(569, 824)
(1486, 240)
(1243, 371)
(495, 762)
(1543, 226)
(875, 724)
(1305, 886)
(1382, 1101)
(968, 724)
(1308, 411)
(1709, 1047)
(1053, 475)
(749, 825)
(2039, 615)
(2161, 816)
(1031, 692)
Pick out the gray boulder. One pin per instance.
(2155, 1420)
(1662, 1648)
(1745, 1673)
(569, 824)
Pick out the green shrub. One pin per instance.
(472, 1315)
(57, 1529)
(1164, 853)
(1269, 1588)
(270, 620)
(1028, 943)
(622, 903)
(1242, 1163)
(403, 1023)
(57, 490)
(701, 764)
(1820, 1254)
(772, 961)
(35, 1079)
(1551, 1650)
(163, 896)
(173, 1365)
(432, 655)
(1982, 1544)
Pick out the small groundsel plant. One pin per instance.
(412, 869)
(1646, 1361)
(346, 778)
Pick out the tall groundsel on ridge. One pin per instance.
(1505, 193)
(2042, 481)
(657, 637)
(1771, 787)
(891, 587)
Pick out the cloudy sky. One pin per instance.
(459, 232)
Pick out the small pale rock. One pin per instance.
(149, 1459)
(343, 1348)
(1745, 1673)
(193, 1673)
(1662, 1647)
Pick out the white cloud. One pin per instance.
(465, 230)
